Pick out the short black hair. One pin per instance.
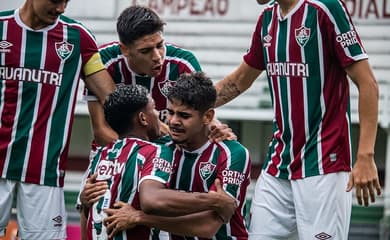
(122, 104)
(195, 90)
(135, 22)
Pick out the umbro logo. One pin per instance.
(4, 46)
(58, 221)
(322, 236)
(267, 40)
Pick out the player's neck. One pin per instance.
(30, 19)
(136, 134)
(286, 6)
(195, 143)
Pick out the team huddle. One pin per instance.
(162, 166)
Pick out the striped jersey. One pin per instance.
(196, 171)
(39, 76)
(304, 55)
(120, 164)
(176, 61)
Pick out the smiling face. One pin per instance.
(146, 55)
(39, 14)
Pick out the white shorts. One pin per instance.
(40, 209)
(306, 209)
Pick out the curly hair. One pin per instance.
(123, 104)
(195, 90)
(135, 22)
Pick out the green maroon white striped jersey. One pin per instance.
(196, 172)
(39, 76)
(176, 61)
(304, 55)
(120, 164)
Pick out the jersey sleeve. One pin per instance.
(254, 56)
(343, 38)
(158, 164)
(234, 166)
(89, 53)
(110, 55)
(183, 58)
(234, 170)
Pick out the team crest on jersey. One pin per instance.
(302, 35)
(164, 86)
(206, 169)
(64, 49)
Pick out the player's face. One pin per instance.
(45, 12)
(146, 55)
(153, 128)
(187, 126)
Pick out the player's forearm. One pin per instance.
(203, 224)
(101, 84)
(168, 202)
(368, 117)
(235, 83)
(103, 133)
(227, 90)
(361, 74)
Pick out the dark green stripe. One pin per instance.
(267, 18)
(127, 182)
(284, 98)
(144, 81)
(186, 172)
(57, 131)
(313, 91)
(7, 13)
(222, 234)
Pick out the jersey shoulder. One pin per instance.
(178, 54)
(110, 51)
(234, 147)
(332, 8)
(75, 24)
(7, 14)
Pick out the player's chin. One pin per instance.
(177, 140)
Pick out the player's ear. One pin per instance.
(208, 116)
(142, 119)
(123, 48)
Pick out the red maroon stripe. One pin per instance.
(14, 35)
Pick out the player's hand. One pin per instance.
(226, 204)
(219, 131)
(123, 216)
(364, 177)
(92, 191)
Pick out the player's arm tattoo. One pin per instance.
(226, 91)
